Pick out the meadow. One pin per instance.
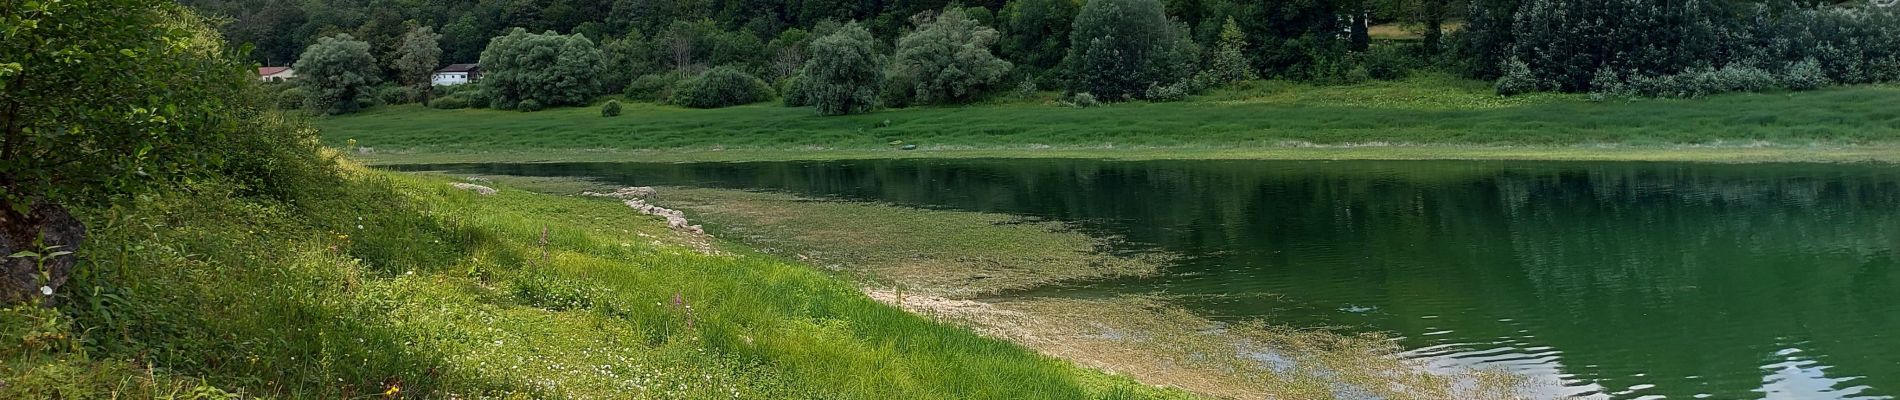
(1419, 117)
(386, 285)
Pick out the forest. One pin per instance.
(844, 57)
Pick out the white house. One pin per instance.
(456, 74)
(275, 74)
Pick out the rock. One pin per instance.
(674, 218)
(47, 229)
(910, 147)
(478, 189)
(632, 192)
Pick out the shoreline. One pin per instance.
(1752, 153)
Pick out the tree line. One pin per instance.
(851, 57)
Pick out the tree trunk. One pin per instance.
(43, 227)
(1361, 32)
(1435, 25)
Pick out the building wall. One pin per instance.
(449, 78)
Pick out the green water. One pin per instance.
(1600, 280)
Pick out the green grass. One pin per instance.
(1420, 117)
(385, 283)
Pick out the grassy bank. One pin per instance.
(1429, 116)
(947, 263)
(389, 285)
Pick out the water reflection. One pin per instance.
(1608, 280)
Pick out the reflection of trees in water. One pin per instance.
(1671, 270)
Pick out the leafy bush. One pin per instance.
(1026, 88)
(292, 98)
(1693, 83)
(450, 102)
(720, 87)
(1388, 63)
(1121, 47)
(652, 87)
(946, 60)
(337, 72)
(1171, 92)
(844, 72)
(1081, 100)
(611, 109)
(528, 105)
(794, 91)
(1804, 75)
(1517, 79)
(551, 69)
(391, 94)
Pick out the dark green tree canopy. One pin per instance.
(1122, 47)
(947, 59)
(337, 72)
(547, 69)
(844, 72)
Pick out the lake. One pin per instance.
(1614, 280)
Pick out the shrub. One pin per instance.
(652, 87)
(1804, 75)
(450, 102)
(292, 98)
(720, 87)
(844, 72)
(1517, 79)
(1026, 89)
(611, 109)
(390, 94)
(1388, 63)
(1229, 63)
(1120, 47)
(794, 91)
(1081, 100)
(1171, 92)
(528, 105)
(946, 60)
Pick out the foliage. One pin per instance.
(338, 73)
(1804, 75)
(1121, 47)
(611, 109)
(1035, 35)
(794, 91)
(1229, 63)
(1566, 42)
(844, 72)
(416, 59)
(653, 87)
(1518, 79)
(625, 59)
(720, 87)
(450, 102)
(946, 60)
(291, 98)
(392, 94)
(550, 69)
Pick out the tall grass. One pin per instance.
(400, 286)
(1429, 109)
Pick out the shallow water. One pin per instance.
(1605, 280)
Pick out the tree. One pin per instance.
(100, 99)
(416, 59)
(1036, 34)
(1122, 47)
(788, 52)
(844, 72)
(720, 87)
(548, 69)
(947, 59)
(337, 72)
(1229, 63)
(626, 58)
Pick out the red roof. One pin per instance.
(268, 71)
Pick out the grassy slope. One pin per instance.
(398, 282)
(1265, 120)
